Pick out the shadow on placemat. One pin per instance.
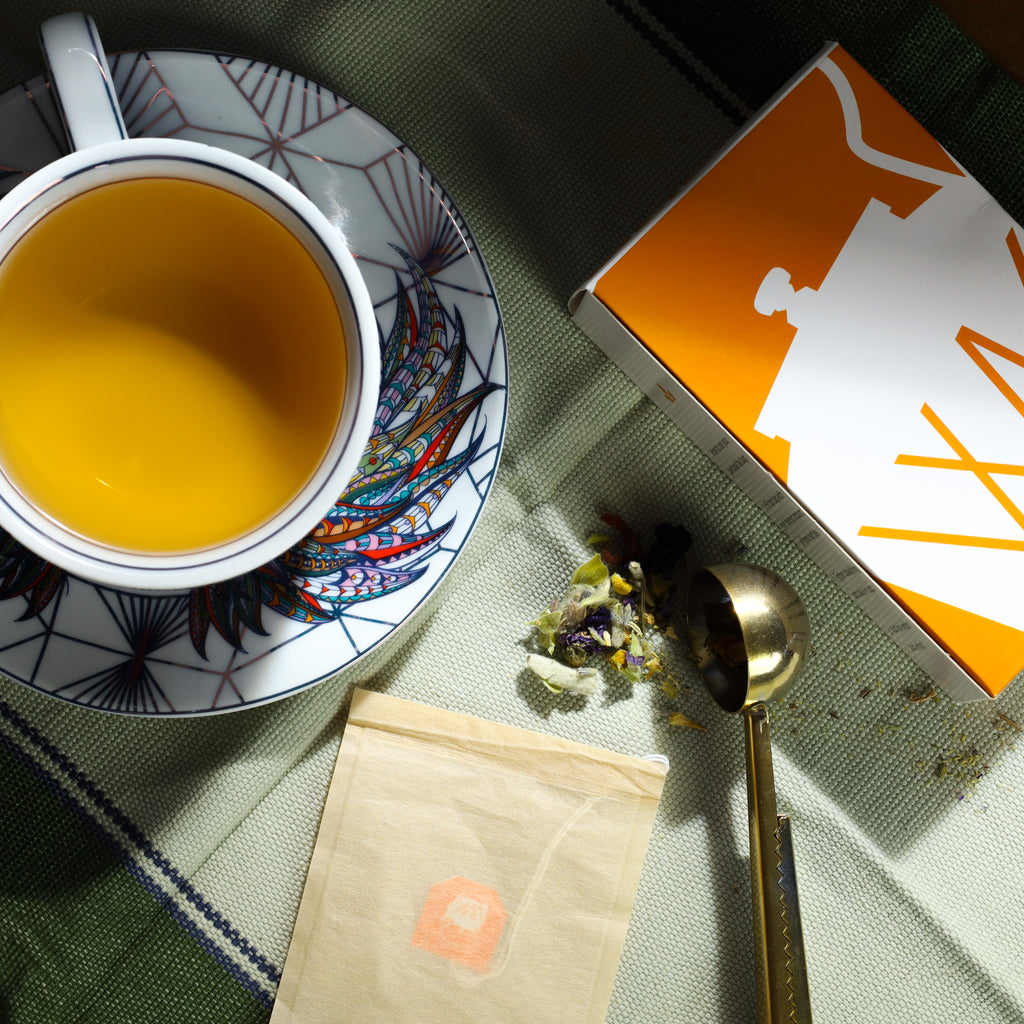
(866, 727)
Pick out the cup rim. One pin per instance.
(171, 571)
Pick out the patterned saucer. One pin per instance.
(423, 479)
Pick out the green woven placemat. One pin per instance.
(152, 868)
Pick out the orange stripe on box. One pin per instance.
(927, 537)
(932, 462)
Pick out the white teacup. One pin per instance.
(190, 358)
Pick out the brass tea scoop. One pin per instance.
(749, 633)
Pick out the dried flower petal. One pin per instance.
(591, 573)
(621, 586)
(670, 687)
(633, 659)
(584, 639)
(558, 676)
(678, 718)
(574, 656)
(548, 624)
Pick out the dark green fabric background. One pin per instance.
(911, 47)
(60, 887)
(753, 45)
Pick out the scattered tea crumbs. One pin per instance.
(963, 766)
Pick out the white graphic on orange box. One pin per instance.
(900, 391)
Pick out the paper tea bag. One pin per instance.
(466, 873)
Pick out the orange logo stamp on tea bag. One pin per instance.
(462, 921)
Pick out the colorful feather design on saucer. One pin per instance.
(378, 534)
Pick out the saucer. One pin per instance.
(424, 478)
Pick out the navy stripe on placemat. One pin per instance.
(135, 835)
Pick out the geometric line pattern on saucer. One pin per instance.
(424, 477)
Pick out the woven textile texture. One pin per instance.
(151, 869)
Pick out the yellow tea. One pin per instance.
(172, 365)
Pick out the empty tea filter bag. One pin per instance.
(467, 871)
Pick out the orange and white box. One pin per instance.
(834, 310)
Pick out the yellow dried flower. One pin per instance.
(620, 585)
(678, 718)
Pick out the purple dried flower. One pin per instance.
(581, 641)
(599, 619)
(575, 648)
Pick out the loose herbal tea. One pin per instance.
(619, 606)
(613, 605)
(466, 872)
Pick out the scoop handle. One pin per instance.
(780, 974)
(797, 960)
(81, 81)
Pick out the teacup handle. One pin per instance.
(81, 81)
